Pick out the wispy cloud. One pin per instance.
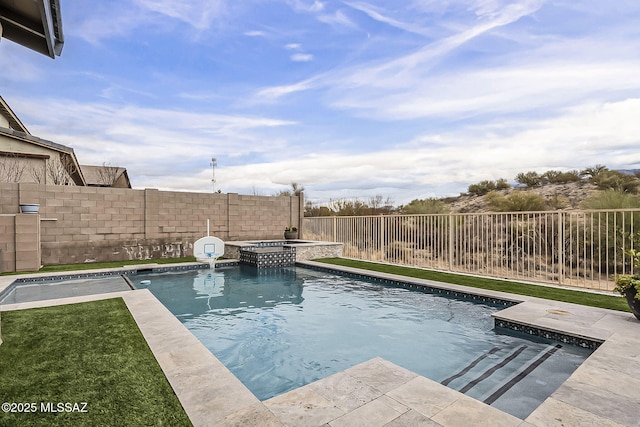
(338, 19)
(405, 70)
(376, 14)
(503, 90)
(255, 33)
(272, 94)
(97, 21)
(15, 65)
(309, 6)
(302, 57)
(197, 13)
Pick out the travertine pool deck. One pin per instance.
(603, 391)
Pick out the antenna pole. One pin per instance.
(214, 163)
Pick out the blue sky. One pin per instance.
(404, 99)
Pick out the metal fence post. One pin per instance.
(451, 242)
(560, 247)
(335, 229)
(382, 235)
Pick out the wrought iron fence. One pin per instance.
(572, 248)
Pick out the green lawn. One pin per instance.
(96, 265)
(612, 302)
(89, 352)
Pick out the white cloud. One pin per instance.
(302, 57)
(255, 33)
(293, 46)
(445, 164)
(505, 90)
(147, 141)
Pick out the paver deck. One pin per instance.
(603, 391)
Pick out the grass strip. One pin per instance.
(611, 302)
(97, 265)
(89, 352)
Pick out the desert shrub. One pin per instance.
(614, 180)
(425, 206)
(551, 176)
(518, 201)
(564, 177)
(557, 201)
(609, 233)
(311, 210)
(502, 184)
(485, 187)
(611, 199)
(558, 177)
(481, 188)
(353, 207)
(530, 179)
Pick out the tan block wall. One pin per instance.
(7, 243)
(82, 224)
(27, 242)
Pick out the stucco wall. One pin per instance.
(79, 224)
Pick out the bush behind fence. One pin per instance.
(572, 248)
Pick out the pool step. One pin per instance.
(493, 374)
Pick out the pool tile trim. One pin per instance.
(408, 284)
(570, 339)
(9, 282)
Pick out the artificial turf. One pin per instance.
(95, 265)
(112, 264)
(89, 352)
(611, 302)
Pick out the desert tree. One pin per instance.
(59, 171)
(295, 190)
(11, 168)
(593, 172)
(107, 175)
(379, 205)
(530, 179)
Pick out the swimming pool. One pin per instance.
(279, 329)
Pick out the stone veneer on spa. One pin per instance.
(268, 256)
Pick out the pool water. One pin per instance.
(279, 329)
(62, 288)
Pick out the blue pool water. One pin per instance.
(279, 329)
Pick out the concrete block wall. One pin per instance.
(7, 243)
(83, 224)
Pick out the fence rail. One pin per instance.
(572, 248)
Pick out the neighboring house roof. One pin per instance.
(65, 152)
(14, 121)
(35, 24)
(105, 176)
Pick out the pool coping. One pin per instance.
(604, 390)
